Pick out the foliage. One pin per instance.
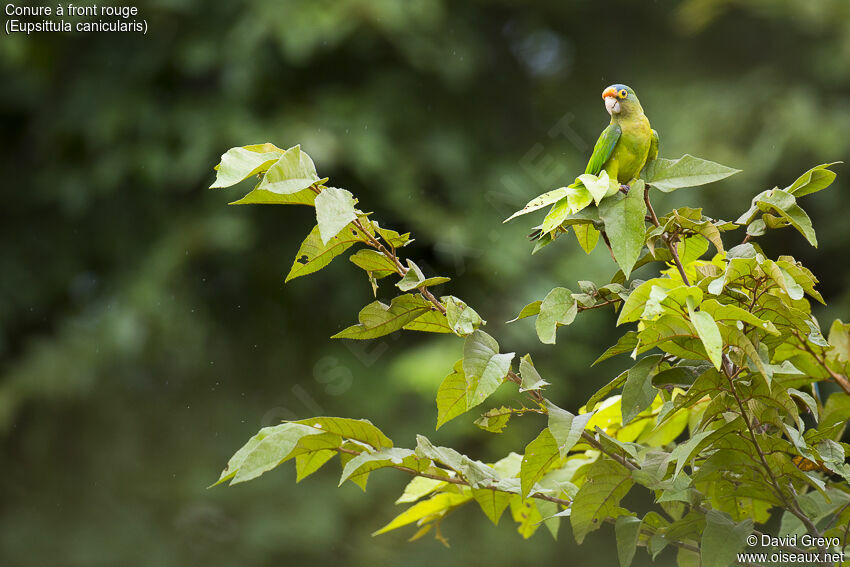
(725, 416)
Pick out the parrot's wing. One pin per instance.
(653, 147)
(603, 149)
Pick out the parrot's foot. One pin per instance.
(624, 189)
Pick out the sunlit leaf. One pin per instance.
(238, 164)
(540, 202)
(294, 171)
(485, 369)
(334, 210)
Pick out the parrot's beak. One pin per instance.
(612, 103)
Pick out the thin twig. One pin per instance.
(608, 244)
(653, 217)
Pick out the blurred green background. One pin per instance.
(145, 331)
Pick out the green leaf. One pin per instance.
(366, 462)
(308, 463)
(722, 539)
(262, 197)
(414, 278)
(531, 379)
(635, 305)
(527, 516)
(557, 308)
(683, 452)
(587, 236)
(393, 238)
(817, 178)
(623, 216)
(334, 210)
(688, 171)
(238, 164)
(451, 396)
(462, 318)
(437, 506)
(529, 310)
(374, 262)
(477, 474)
(734, 336)
(485, 369)
(494, 420)
(493, 502)
(378, 319)
(709, 334)
(598, 186)
(599, 497)
(360, 430)
(785, 205)
(603, 392)
(264, 451)
(313, 254)
(638, 391)
(626, 343)
(722, 312)
(559, 213)
(540, 455)
(540, 202)
(627, 530)
(293, 172)
(674, 335)
(566, 428)
(432, 321)
(549, 512)
(419, 487)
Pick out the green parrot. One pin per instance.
(622, 151)
(628, 143)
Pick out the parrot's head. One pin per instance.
(621, 100)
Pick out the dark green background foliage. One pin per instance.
(146, 331)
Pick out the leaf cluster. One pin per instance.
(730, 412)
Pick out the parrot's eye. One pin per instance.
(623, 93)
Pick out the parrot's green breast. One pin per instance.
(630, 153)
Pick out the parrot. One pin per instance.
(622, 151)
(628, 143)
